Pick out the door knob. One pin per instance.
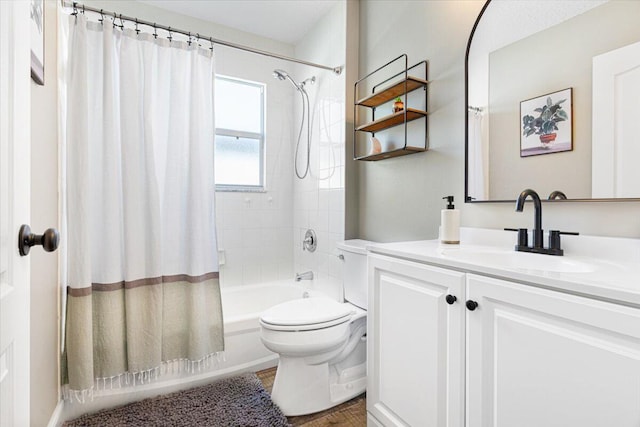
(49, 239)
(450, 299)
(471, 305)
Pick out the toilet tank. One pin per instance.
(354, 272)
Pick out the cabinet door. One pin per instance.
(415, 344)
(537, 357)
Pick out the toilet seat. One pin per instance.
(306, 314)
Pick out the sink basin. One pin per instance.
(517, 260)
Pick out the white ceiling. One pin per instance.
(283, 20)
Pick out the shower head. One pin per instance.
(282, 75)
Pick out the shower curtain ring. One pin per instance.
(101, 20)
(75, 10)
(155, 31)
(189, 38)
(211, 41)
(136, 26)
(169, 36)
(121, 22)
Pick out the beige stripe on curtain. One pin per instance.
(137, 329)
(140, 256)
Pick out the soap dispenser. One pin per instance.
(450, 223)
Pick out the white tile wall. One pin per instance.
(318, 200)
(262, 233)
(254, 230)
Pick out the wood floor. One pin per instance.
(352, 413)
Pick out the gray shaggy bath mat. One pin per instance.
(233, 402)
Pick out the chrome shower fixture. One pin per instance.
(311, 80)
(306, 111)
(310, 242)
(283, 75)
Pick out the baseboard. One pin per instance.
(372, 422)
(54, 421)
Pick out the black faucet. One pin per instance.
(538, 246)
(557, 195)
(537, 206)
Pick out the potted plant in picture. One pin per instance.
(549, 115)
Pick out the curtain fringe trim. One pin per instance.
(133, 379)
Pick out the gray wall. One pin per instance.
(400, 199)
(562, 60)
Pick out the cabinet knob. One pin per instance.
(450, 299)
(471, 305)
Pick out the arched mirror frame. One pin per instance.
(467, 198)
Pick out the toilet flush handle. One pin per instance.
(341, 257)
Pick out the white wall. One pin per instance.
(400, 199)
(319, 198)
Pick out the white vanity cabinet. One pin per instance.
(538, 357)
(525, 356)
(415, 344)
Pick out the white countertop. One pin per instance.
(602, 267)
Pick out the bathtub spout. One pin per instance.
(307, 275)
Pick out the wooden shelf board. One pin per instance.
(393, 153)
(392, 92)
(394, 119)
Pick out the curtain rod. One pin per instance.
(81, 7)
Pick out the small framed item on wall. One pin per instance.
(37, 41)
(546, 124)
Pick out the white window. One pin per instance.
(239, 160)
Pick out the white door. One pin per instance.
(415, 344)
(14, 211)
(536, 358)
(616, 128)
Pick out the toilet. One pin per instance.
(321, 342)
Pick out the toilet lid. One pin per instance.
(312, 312)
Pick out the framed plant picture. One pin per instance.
(546, 124)
(37, 41)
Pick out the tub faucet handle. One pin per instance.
(310, 241)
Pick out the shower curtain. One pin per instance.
(478, 156)
(140, 258)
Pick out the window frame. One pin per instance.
(260, 136)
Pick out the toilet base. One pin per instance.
(301, 389)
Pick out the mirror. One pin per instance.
(553, 100)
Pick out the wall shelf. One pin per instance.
(392, 120)
(393, 92)
(393, 153)
(399, 85)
